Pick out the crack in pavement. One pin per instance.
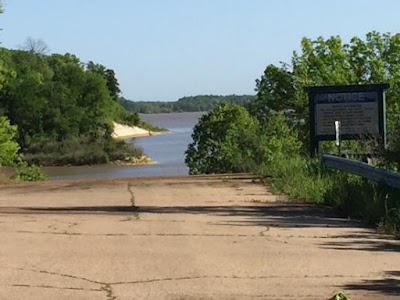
(107, 287)
(144, 234)
(234, 277)
(56, 287)
(132, 200)
(260, 235)
(54, 274)
(270, 237)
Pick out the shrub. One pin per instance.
(30, 173)
(82, 150)
(8, 146)
(224, 141)
(298, 177)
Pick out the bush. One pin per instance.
(83, 150)
(8, 146)
(121, 150)
(30, 173)
(224, 141)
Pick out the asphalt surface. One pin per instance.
(184, 238)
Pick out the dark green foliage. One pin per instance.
(120, 150)
(81, 150)
(60, 111)
(62, 107)
(229, 139)
(329, 62)
(274, 146)
(223, 141)
(108, 75)
(49, 152)
(185, 104)
(129, 118)
(55, 96)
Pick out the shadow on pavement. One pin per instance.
(363, 243)
(389, 286)
(272, 215)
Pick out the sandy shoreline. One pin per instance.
(124, 132)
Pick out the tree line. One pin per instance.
(57, 110)
(63, 109)
(270, 136)
(185, 104)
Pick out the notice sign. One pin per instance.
(358, 113)
(360, 109)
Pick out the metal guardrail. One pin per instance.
(376, 174)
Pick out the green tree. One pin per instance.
(329, 61)
(276, 93)
(8, 145)
(228, 139)
(224, 141)
(23, 95)
(278, 140)
(64, 110)
(108, 75)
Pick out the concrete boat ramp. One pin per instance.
(206, 237)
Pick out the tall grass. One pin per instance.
(297, 177)
(307, 180)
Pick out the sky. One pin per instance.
(162, 50)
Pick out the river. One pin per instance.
(168, 150)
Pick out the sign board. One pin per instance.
(360, 109)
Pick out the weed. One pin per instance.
(307, 180)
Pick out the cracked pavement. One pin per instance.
(205, 237)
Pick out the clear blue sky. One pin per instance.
(166, 49)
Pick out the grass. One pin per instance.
(307, 180)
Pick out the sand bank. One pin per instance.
(124, 131)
